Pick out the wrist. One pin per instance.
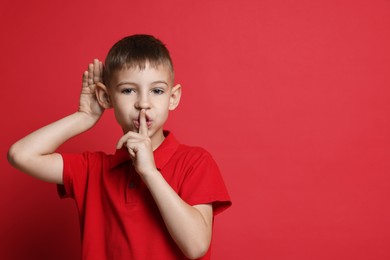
(148, 175)
(86, 120)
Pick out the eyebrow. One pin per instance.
(135, 84)
(125, 83)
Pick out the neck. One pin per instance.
(157, 139)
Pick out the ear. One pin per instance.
(102, 96)
(174, 99)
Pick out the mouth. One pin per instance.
(137, 123)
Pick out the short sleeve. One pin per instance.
(74, 174)
(204, 184)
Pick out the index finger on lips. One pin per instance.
(143, 126)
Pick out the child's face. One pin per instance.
(151, 89)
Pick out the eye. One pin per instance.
(158, 91)
(127, 91)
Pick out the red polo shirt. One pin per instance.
(118, 216)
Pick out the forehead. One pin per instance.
(143, 75)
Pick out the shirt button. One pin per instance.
(131, 185)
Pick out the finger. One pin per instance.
(132, 153)
(120, 143)
(123, 140)
(143, 127)
(96, 71)
(85, 79)
(132, 145)
(101, 71)
(90, 74)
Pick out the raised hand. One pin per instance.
(88, 101)
(139, 146)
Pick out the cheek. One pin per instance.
(164, 107)
(163, 113)
(121, 113)
(120, 118)
(121, 103)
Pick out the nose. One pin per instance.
(143, 101)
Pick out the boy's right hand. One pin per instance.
(88, 101)
(36, 154)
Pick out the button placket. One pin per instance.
(132, 188)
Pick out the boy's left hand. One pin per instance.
(139, 146)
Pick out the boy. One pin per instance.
(154, 198)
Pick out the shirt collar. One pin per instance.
(161, 155)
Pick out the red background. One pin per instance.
(291, 97)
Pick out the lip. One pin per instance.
(137, 123)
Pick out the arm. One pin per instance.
(189, 226)
(35, 153)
